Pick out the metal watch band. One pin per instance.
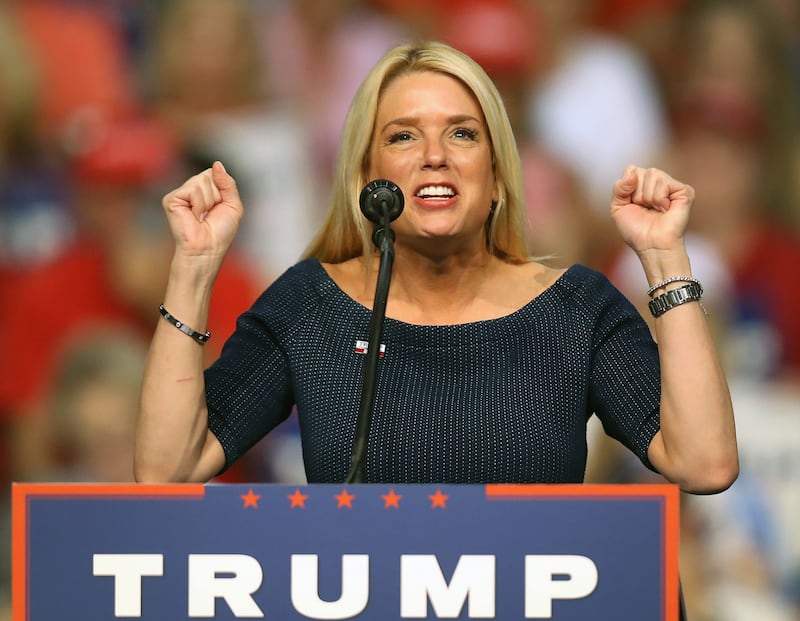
(675, 297)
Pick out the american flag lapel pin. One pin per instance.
(363, 346)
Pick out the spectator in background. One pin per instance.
(594, 104)
(747, 542)
(732, 51)
(71, 79)
(92, 404)
(33, 222)
(114, 271)
(33, 225)
(18, 93)
(735, 141)
(209, 83)
(204, 63)
(588, 82)
(85, 72)
(63, 79)
(650, 26)
(785, 15)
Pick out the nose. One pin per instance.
(434, 156)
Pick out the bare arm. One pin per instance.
(173, 442)
(696, 446)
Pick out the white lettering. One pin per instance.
(305, 587)
(421, 579)
(541, 589)
(235, 578)
(127, 570)
(205, 584)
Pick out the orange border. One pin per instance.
(670, 541)
(22, 492)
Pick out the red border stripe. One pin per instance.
(22, 493)
(670, 540)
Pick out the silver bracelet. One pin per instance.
(692, 292)
(667, 281)
(200, 337)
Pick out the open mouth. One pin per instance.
(433, 192)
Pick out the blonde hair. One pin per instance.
(19, 90)
(345, 232)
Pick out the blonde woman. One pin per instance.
(493, 361)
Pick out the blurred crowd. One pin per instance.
(107, 105)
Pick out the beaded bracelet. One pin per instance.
(667, 281)
(197, 336)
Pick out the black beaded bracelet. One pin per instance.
(200, 337)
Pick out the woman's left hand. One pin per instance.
(651, 209)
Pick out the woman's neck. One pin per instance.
(446, 290)
(438, 283)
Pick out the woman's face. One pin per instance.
(431, 139)
(727, 55)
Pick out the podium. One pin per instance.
(374, 552)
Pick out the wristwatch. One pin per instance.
(675, 297)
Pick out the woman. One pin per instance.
(493, 362)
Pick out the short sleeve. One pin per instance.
(248, 388)
(625, 382)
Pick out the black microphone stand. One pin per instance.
(681, 603)
(383, 238)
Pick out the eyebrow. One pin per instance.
(413, 120)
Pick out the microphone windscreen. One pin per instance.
(376, 194)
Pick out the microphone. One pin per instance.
(380, 197)
(381, 201)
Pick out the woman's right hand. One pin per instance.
(204, 213)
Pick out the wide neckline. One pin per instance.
(555, 288)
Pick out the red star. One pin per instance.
(298, 499)
(251, 499)
(344, 499)
(391, 500)
(438, 499)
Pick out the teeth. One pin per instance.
(435, 191)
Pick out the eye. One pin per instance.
(401, 136)
(465, 132)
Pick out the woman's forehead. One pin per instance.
(427, 90)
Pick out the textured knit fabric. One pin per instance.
(501, 400)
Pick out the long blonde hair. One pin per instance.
(345, 233)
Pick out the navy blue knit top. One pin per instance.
(501, 400)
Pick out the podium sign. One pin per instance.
(373, 552)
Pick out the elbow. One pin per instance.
(150, 473)
(713, 479)
(143, 474)
(156, 465)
